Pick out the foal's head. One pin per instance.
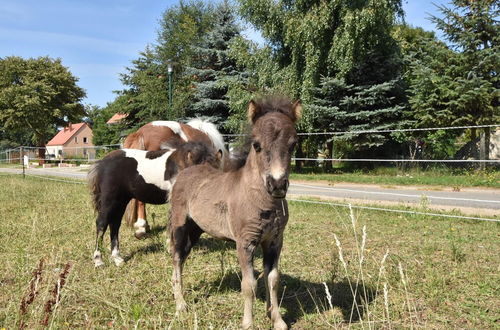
(273, 139)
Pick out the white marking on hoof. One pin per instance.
(98, 259)
(141, 227)
(180, 307)
(140, 223)
(118, 260)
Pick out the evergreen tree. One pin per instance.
(458, 84)
(211, 68)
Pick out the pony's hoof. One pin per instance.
(98, 263)
(140, 234)
(118, 261)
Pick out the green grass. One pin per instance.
(394, 176)
(439, 273)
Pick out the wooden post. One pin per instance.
(21, 156)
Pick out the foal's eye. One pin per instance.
(256, 146)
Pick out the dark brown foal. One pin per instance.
(246, 205)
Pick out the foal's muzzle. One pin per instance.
(277, 187)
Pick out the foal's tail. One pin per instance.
(95, 188)
(130, 215)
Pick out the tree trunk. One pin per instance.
(299, 154)
(329, 154)
(41, 152)
(484, 147)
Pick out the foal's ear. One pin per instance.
(254, 111)
(190, 158)
(297, 110)
(219, 155)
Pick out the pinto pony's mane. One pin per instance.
(211, 130)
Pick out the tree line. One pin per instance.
(355, 65)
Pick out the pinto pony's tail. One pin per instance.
(130, 215)
(95, 188)
(211, 130)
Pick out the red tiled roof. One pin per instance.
(65, 134)
(116, 118)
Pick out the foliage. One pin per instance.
(211, 69)
(103, 133)
(457, 84)
(38, 94)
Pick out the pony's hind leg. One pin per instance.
(101, 225)
(271, 253)
(141, 225)
(116, 217)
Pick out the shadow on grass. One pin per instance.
(147, 249)
(302, 297)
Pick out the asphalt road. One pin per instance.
(474, 199)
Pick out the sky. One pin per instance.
(97, 39)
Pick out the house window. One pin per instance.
(85, 140)
(76, 139)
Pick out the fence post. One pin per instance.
(21, 156)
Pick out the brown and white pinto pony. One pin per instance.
(245, 205)
(155, 136)
(145, 175)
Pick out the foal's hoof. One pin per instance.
(280, 325)
(180, 309)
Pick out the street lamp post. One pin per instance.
(170, 70)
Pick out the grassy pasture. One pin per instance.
(416, 271)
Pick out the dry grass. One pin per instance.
(363, 269)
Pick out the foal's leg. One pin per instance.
(248, 282)
(271, 253)
(141, 225)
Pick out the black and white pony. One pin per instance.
(147, 176)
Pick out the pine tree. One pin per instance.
(211, 68)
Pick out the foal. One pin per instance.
(145, 175)
(246, 205)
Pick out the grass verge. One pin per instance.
(393, 176)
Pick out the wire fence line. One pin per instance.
(394, 210)
(396, 194)
(53, 179)
(401, 130)
(402, 160)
